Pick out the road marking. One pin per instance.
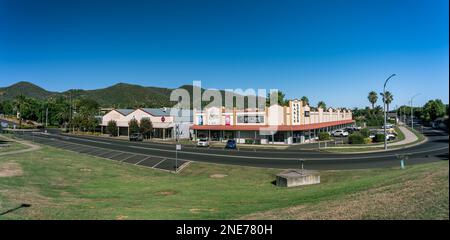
(128, 157)
(154, 166)
(277, 158)
(120, 153)
(142, 160)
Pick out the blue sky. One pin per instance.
(330, 50)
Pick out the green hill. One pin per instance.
(121, 95)
(26, 89)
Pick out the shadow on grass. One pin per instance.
(23, 205)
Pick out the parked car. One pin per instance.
(352, 129)
(136, 137)
(339, 133)
(203, 142)
(231, 144)
(389, 136)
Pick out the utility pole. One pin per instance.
(412, 114)
(384, 109)
(46, 117)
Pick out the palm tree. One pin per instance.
(387, 99)
(20, 104)
(322, 105)
(305, 100)
(373, 98)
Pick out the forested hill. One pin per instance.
(121, 95)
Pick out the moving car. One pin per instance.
(136, 137)
(231, 144)
(203, 142)
(339, 133)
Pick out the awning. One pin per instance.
(282, 128)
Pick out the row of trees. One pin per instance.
(431, 111)
(58, 111)
(145, 127)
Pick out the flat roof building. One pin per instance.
(295, 123)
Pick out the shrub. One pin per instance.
(367, 140)
(379, 137)
(146, 127)
(323, 136)
(355, 138)
(365, 132)
(133, 125)
(111, 128)
(375, 121)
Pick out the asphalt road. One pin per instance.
(435, 149)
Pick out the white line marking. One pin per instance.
(279, 158)
(120, 153)
(128, 158)
(154, 166)
(142, 160)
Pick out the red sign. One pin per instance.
(163, 119)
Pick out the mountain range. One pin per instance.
(121, 95)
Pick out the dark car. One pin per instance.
(136, 137)
(231, 144)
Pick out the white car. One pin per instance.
(390, 126)
(203, 142)
(339, 133)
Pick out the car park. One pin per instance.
(231, 144)
(339, 133)
(203, 142)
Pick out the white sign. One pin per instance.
(178, 147)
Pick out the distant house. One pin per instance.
(393, 116)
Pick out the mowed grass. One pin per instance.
(65, 185)
(9, 146)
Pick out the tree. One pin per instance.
(20, 105)
(322, 105)
(280, 98)
(305, 100)
(387, 99)
(432, 110)
(146, 127)
(111, 128)
(373, 98)
(87, 110)
(133, 126)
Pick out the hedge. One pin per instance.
(356, 138)
(379, 137)
(323, 136)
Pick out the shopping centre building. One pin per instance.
(295, 123)
(165, 121)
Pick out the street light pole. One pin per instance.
(384, 109)
(412, 115)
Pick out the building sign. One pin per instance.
(200, 120)
(163, 119)
(250, 119)
(227, 120)
(213, 119)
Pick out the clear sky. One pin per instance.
(331, 50)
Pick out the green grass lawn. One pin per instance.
(9, 146)
(64, 185)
